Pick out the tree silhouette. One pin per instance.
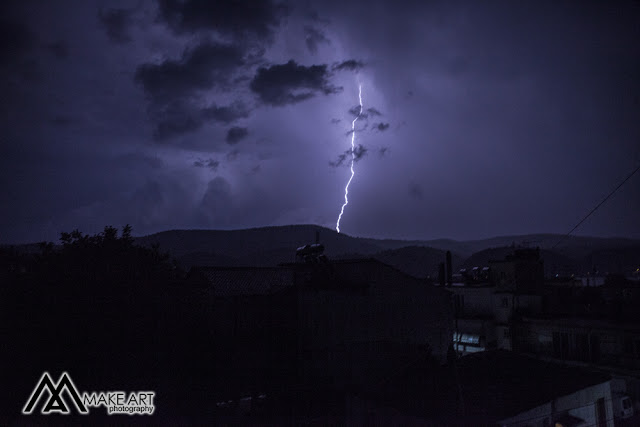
(104, 259)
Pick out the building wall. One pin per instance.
(503, 337)
(503, 274)
(595, 342)
(539, 416)
(503, 304)
(524, 270)
(349, 334)
(474, 325)
(254, 341)
(495, 308)
(581, 404)
(475, 302)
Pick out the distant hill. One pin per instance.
(273, 245)
(572, 246)
(267, 246)
(258, 245)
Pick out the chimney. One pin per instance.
(441, 278)
(449, 269)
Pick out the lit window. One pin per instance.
(466, 338)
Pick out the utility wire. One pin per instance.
(596, 208)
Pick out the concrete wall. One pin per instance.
(353, 332)
(615, 343)
(539, 416)
(581, 404)
(477, 301)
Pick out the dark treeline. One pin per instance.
(111, 313)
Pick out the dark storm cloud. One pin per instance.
(172, 88)
(382, 126)
(340, 160)
(226, 114)
(116, 23)
(175, 118)
(373, 112)
(19, 49)
(62, 120)
(209, 163)
(355, 110)
(138, 159)
(538, 91)
(360, 129)
(252, 19)
(345, 158)
(59, 49)
(313, 37)
(206, 66)
(63, 182)
(216, 206)
(350, 65)
(335, 121)
(182, 116)
(224, 206)
(359, 152)
(16, 39)
(290, 83)
(236, 134)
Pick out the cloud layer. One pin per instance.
(483, 119)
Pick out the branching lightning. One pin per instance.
(353, 157)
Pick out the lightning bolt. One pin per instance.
(353, 158)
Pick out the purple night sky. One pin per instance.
(481, 118)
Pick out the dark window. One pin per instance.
(458, 301)
(628, 345)
(582, 347)
(560, 345)
(557, 346)
(595, 348)
(601, 413)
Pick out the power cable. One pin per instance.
(596, 208)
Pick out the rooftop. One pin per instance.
(495, 385)
(337, 274)
(504, 384)
(235, 281)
